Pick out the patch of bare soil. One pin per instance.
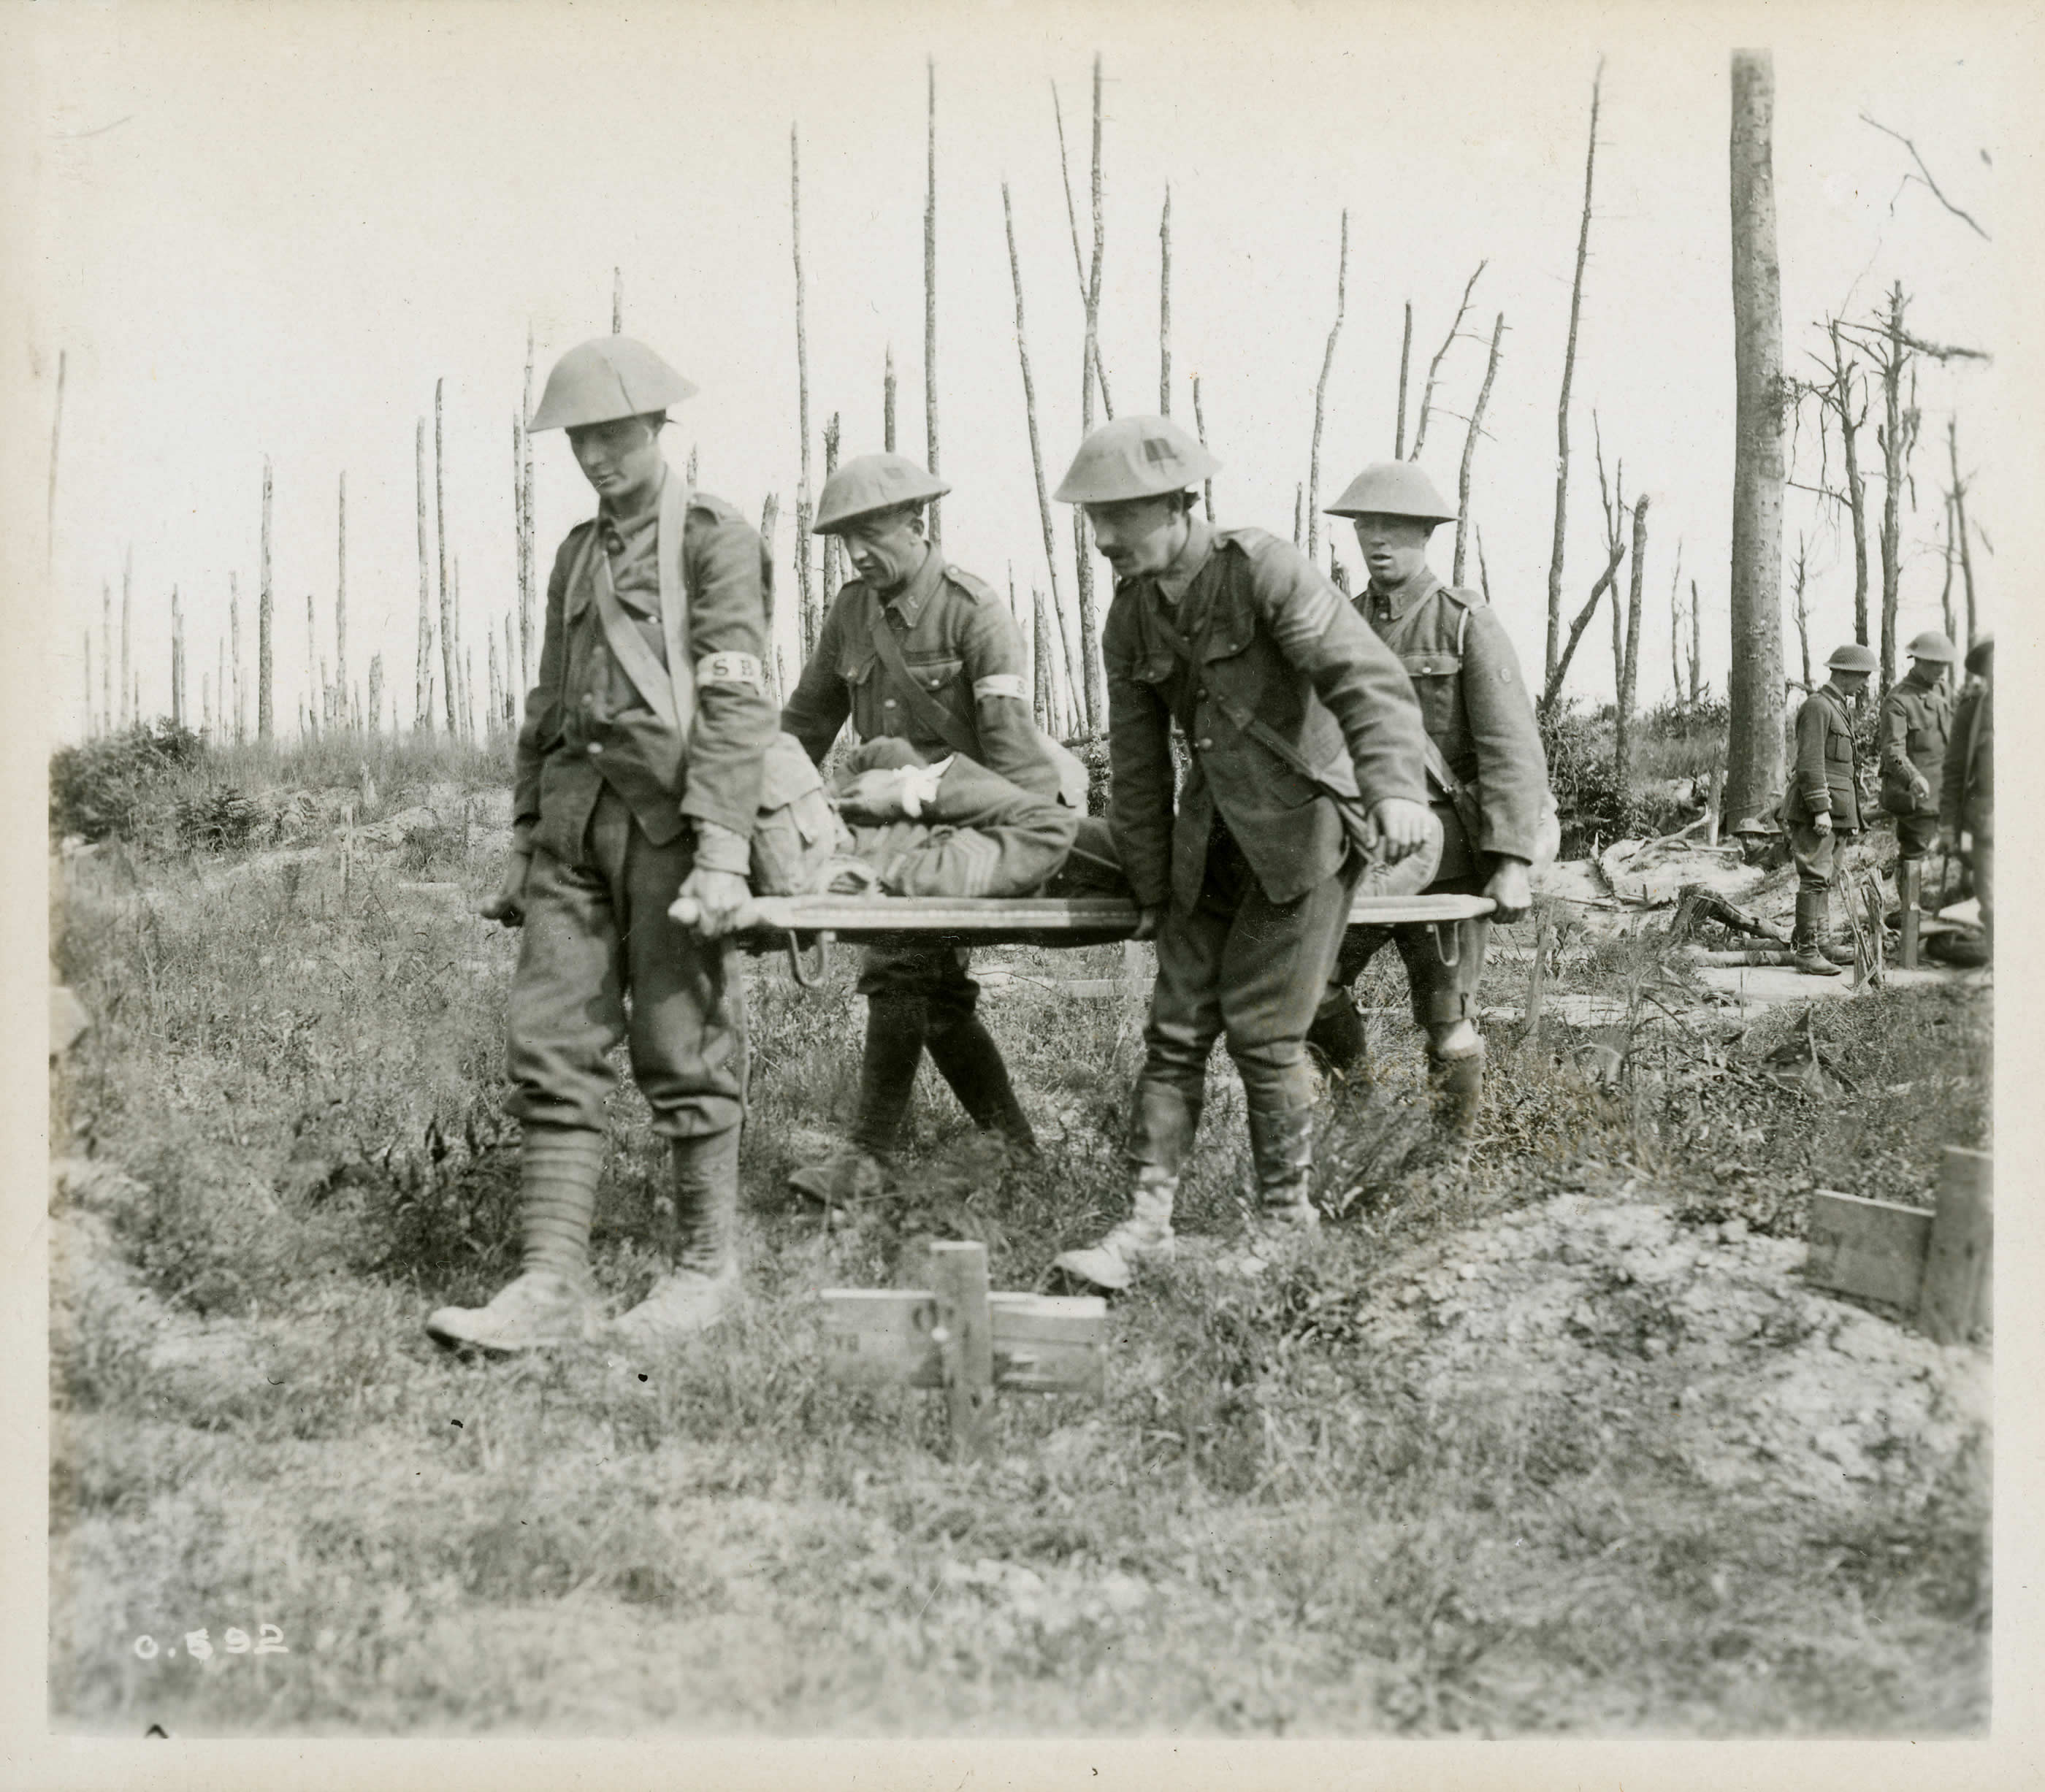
(1768, 1385)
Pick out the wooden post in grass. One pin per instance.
(1908, 873)
(1934, 1266)
(959, 1337)
(965, 1345)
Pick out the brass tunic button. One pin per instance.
(595, 749)
(1204, 743)
(888, 703)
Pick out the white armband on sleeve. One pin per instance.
(1000, 684)
(731, 668)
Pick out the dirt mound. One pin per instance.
(1766, 1380)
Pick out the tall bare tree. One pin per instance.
(617, 303)
(831, 543)
(1201, 423)
(1091, 681)
(1836, 393)
(177, 660)
(1948, 552)
(936, 511)
(1029, 413)
(374, 719)
(1165, 307)
(1959, 525)
(265, 611)
(529, 624)
(106, 658)
(1562, 403)
(130, 711)
(807, 620)
(1079, 264)
(1629, 676)
(1321, 397)
(1405, 367)
(340, 597)
(1754, 768)
(888, 402)
(1441, 355)
(422, 667)
(450, 639)
(1469, 445)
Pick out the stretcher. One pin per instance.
(807, 925)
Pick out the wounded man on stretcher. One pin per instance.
(905, 827)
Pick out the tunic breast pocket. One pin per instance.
(939, 677)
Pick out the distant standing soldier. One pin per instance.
(1488, 778)
(1300, 723)
(639, 777)
(917, 649)
(1911, 734)
(1821, 808)
(1966, 802)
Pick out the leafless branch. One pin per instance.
(1434, 366)
(1931, 185)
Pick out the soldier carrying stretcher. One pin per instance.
(1306, 749)
(1488, 776)
(918, 650)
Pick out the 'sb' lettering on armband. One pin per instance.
(1000, 684)
(731, 668)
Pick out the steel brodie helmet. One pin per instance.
(1135, 457)
(1393, 488)
(868, 483)
(1933, 645)
(1852, 658)
(604, 378)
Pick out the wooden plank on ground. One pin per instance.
(1872, 1248)
(1042, 1344)
(1953, 1304)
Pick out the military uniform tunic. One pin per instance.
(1478, 713)
(610, 777)
(963, 652)
(1824, 781)
(1966, 797)
(1916, 717)
(1241, 640)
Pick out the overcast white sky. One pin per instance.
(267, 230)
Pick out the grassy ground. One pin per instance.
(288, 1146)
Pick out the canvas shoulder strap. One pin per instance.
(927, 709)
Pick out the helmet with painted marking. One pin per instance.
(1135, 457)
(1852, 658)
(1933, 645)
(604, 378)
(868, 483)
(1393, 488)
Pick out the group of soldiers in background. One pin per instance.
(1934, 754)
(1322, 740)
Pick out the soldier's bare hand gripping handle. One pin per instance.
(1512, 888)
(713, 903)
(508, 906)
(1404, 825)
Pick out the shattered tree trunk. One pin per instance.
(129, 709)
(832, 546)
(888, 402)
(1754, 770)
(1405, 364)
(340, 604)
(1165, 307)
(450, 645)
(1629, 675)
(1959, 528)
(1468, 447)
(1313, 499)
(1856, 487)
(1900, 428)
(422, 664)
(935, 512)
(808, 620)
(1800, 575)
(1562, 406)
(1093, 683)
(1441, 355)
(265, 616)
(1029, 416)
(374, 720)
(1200, 424)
